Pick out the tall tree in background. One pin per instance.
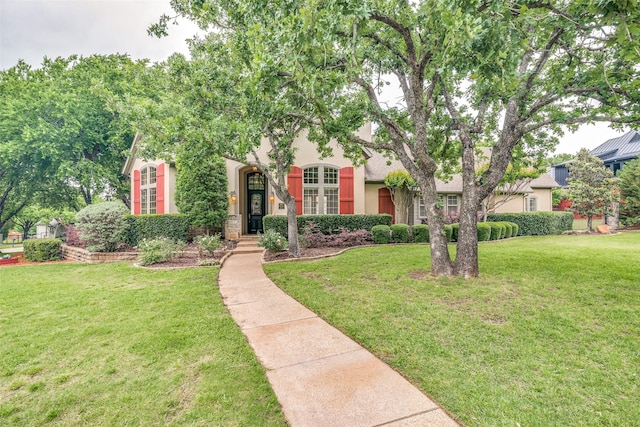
(201, 185)
(506, 75)
(629, 182)
(60, 140)
(24, 169)
(593, 187)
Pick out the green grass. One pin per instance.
(549, 335)
(111, 344)
(581, 224)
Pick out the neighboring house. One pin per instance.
(614, 153)
(320, 186)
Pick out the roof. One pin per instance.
(126, 170)
(624, 147)
(378, 166)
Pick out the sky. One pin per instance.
(33, 29)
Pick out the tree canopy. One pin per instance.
(61, 142)
(505, 75)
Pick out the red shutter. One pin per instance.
(385, 203)
(136, 192)
(160, 189)
(294, 184)
(346, 191)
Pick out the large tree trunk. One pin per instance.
(466, 262)
(440, 259)
(292, 222)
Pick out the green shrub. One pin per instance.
(420, 233)
(448, 232)
(103, 226)
(495, 230)
(208, 243)
(327, 224)
(514, 228)
(537, 223)
(508, 229)
(455, 228)
(39, 250)
(149, 227)
(381, 234)
(484, 232)
(272, 241)
(399, 233)
(154, 251)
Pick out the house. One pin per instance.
(320, 186)
(614, 153)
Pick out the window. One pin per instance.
(452, 203)
(449, 203)
(532, 204)
(320, 190)
(148, 190)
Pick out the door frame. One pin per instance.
(247, 200)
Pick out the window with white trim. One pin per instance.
(449, 203)
(320, 192)
(148, 190)
(532, 204)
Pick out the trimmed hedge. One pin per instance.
(39, 250)
(154, 226)
(508, 229)
(420, 233)
(484, 232)
(328, 224)
(399, 233)
(537, 223)
(515, 228)
(455, 230)
(496, 230)
(381, 234)
(448, 232)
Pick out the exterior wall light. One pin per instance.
(233, 197)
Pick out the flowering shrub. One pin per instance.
(207, 244)
(159, 250)
(72, 238)
(272, 241)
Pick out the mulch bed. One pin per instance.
(190, 257)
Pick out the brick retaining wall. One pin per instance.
(82, 255)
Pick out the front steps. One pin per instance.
(248, 244)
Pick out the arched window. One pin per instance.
(320, 190)
(148, 190)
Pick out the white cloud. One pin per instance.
(32, 29)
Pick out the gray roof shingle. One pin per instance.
(623, 147)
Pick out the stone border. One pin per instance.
(83, 255)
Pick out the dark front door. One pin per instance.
(255, 201)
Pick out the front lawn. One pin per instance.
(549, 335)
(110, 344)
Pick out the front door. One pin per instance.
(255, 201)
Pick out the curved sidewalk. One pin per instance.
(320, 376)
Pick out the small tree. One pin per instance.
(201, 187)
(629, 182)
(401, 185)
(593, 187)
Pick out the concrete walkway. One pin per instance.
(320, 376)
